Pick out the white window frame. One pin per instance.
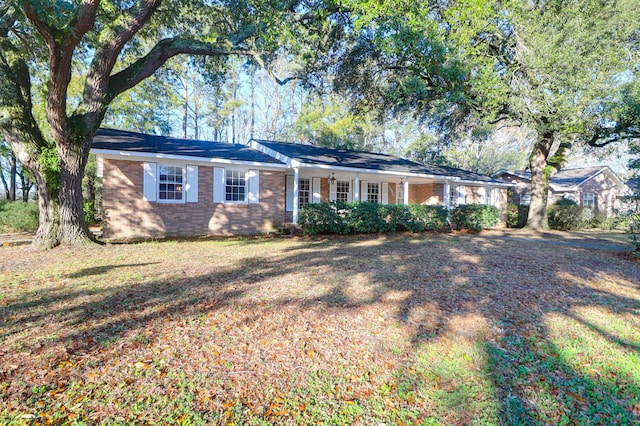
(373, 192)
(458, 196)
(400, 193)
(589, 199)
(304, 192)
(245, 176)
(183, 184)
(342, 183)
(525, 199)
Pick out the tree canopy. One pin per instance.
(106, 48)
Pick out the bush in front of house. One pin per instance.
(517, 215)
(433, 218)
(475, 216)
(367, 218)
(18, 216)
(566, 215)
(321, 218)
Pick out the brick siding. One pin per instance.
(128, 216)
(426, 193)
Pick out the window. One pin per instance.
(588, 199)
(342, 190)
(304, 189)
(170, 183)
(525, 199)
(373, 192)
(458, 196)
(236, 186)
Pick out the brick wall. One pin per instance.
(128, 216)
(428, 193)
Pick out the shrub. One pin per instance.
(18, 216)
(321, 218)
(475, 216)
(433, 218)
(365, 218)
(89, 212)
(604, 222)
(565, 215)
(517, 215)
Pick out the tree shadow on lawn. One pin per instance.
(427, 281)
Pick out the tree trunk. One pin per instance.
(12, 178)
(73, 229)
(49, 223)
(540, 176)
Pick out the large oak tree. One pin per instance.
(564, 70)
(112, 46)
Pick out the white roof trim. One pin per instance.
(400, 174)
(609, 172)
(134, 156)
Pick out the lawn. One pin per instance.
(406, 329)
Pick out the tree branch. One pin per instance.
(163, 51)
(61, 43)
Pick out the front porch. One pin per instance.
(310, 186)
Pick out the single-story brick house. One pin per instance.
(157, 186)
(596, 187)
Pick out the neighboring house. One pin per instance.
(156, 186)
(595, 187)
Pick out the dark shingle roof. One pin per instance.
(311, 154)
(634, 184)
(119, 140)
(565, 178)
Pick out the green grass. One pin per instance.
(446, 329)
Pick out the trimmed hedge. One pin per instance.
(18, 216)
(475, 216)
(366, 218)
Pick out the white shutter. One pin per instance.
(253, 178)
(150, 181)
(218, 185)
(351, 190)
(483, 195)
(332, 190)
(289, 190)
(363, 190)
(384, 190)
(315, 182)
(462, 195)
(192, 184)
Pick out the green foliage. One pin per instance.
(366, 218)
(50, 162)
(18, 216)
(432, 218)
(89, 212)
(400, 218)
(517, 215)
(475, 216)
(604, 222)
(321, 218)
(566, 215)
(633, 220)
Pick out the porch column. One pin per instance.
(356, 189)
(296, 196)
(446, 195)
(406, 190)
